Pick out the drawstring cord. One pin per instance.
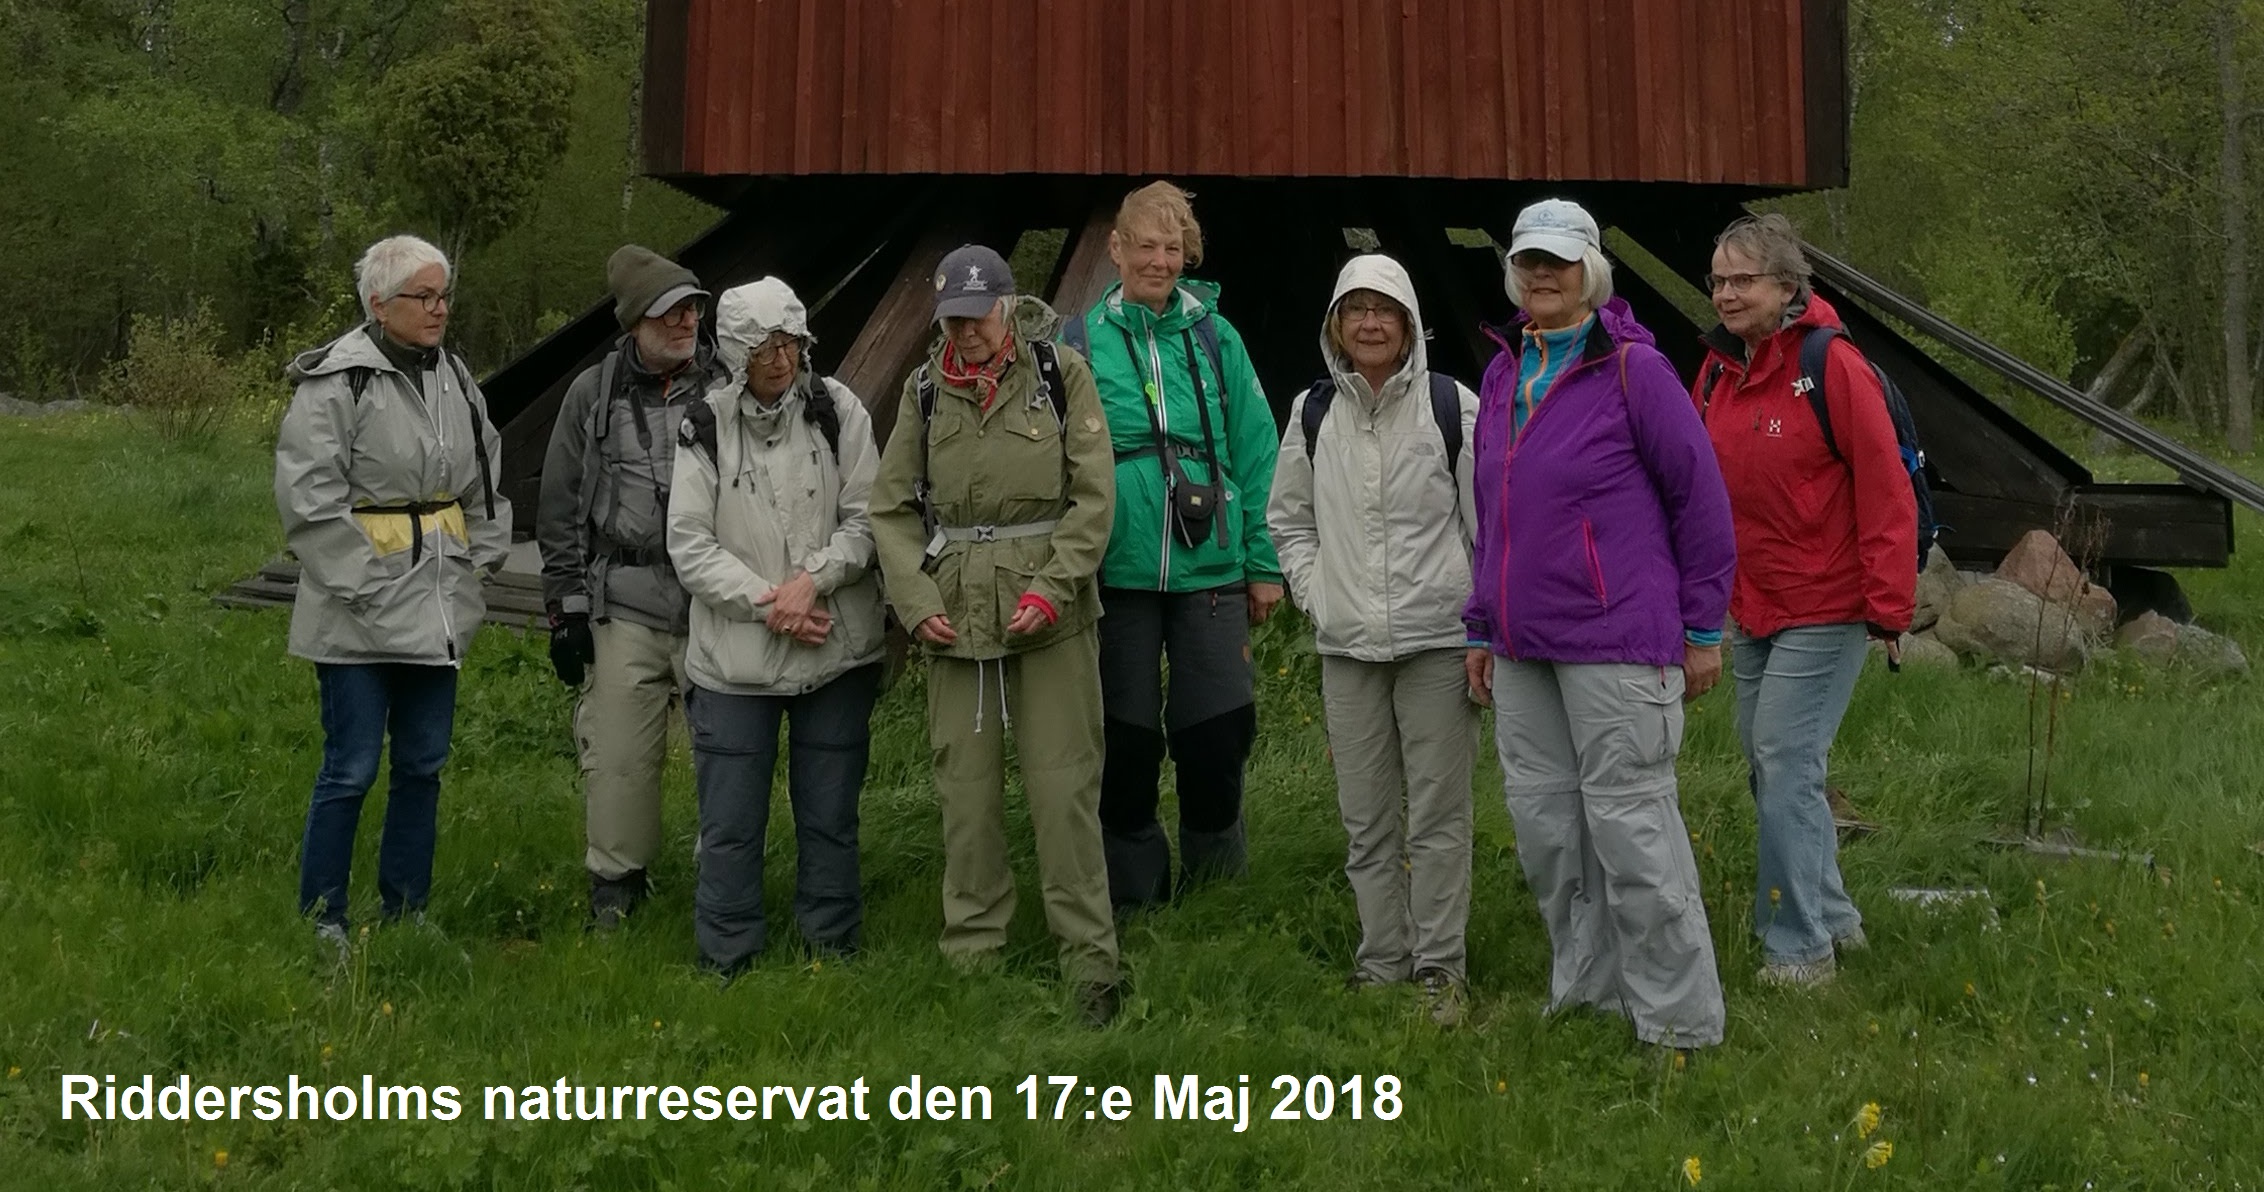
(982, 696)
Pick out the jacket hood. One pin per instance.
(1030, 317)
(747, 315)
(1375, 271)
(355, 349)
(1191, 300)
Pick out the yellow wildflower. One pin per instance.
(1691, 1171)
(1680, 1061)
(1501, 1086)
(2110, 926)
(1775, 896)
(1875, 1028)
(220, 1160)
(1969, 990)
(1867, 1119)
(14, 1071)
(326, 1053)
(385, 1008)
(2142, 1079)
(1876, 1157)
(656, 1024)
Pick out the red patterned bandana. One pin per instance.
(983, 379)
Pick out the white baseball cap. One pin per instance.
(1559, 227)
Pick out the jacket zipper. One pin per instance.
(1516, 441)
(1595, 562)
(1163, 424)
(440, 565)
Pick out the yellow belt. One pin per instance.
(396, 528)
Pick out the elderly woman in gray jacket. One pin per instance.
(1372, 514)
(385, 469)
(767, 528)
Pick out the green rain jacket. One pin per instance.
(1142, 553)
(1014, 464)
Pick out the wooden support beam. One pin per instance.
(1085, 270)
(902, 324)
(1452, 282)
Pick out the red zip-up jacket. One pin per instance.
(1820, 540)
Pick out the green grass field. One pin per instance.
(2090, 1025)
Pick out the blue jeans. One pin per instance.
(1792, 690)
(734, 756)
(360, 705)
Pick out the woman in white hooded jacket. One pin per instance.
(767, 528)
(1372, 514)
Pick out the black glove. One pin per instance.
(572, 649)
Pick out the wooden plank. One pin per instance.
(1087, 272)
(1823, 91)
(900, 329)
(662, 123)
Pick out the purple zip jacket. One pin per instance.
(1603, 529)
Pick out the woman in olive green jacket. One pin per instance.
(990, 514)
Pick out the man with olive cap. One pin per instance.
(990, 514)
(619, 619)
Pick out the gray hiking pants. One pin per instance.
(734, 756)
(1587, 758)
(1405, 725)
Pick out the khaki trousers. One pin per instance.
(621, 730)
(1050, 699)
(1404, 734)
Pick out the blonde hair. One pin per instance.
(1167, 209)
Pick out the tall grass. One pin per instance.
(2084, 1025)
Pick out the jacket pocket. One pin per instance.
(1011, 586)
(1595, 563)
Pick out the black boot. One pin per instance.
(613, 900)
(1210, 757)
(1138, 852)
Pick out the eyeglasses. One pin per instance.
(775, 349)
(1356, 313)
(1533, 260)
(1735, 283)
(431, 302)
(688, 309)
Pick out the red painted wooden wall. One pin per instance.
(1744, 92)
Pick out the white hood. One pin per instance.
(1375, 271)
(746, 315)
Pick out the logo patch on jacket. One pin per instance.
(1776, 428)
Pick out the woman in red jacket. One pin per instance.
(1826, 556)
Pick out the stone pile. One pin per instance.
(2038, 610)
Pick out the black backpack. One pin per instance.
(699, 425)
(1075, 334)
(1049, 383)
(1446, 410)
(1815, 350)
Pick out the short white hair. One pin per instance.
(386, 267)
(1596, 272)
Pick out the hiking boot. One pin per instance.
(1797, 976)
(1098, 1003)
(1853, 941)
(331, 940)
(1359, 979)
(977, 961)
(613, 900)
(1444, 997)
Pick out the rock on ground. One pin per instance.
(1936, 585)
(2002, 621)
(2038, 564)
(2161, 641)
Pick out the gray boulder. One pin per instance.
(2151, 636)
(2155, 638)
(2038, 564)
(2001, 621)
(1936, 585)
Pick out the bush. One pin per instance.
(174, 375)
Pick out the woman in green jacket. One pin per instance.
(1190, 566)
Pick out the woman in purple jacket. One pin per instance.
(1603, 561)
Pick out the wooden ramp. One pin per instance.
(514, 598)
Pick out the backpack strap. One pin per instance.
(479, 435)
(1049, 379)
(1815, 350)
(357, 380)
(819, 410)
(608, 374)
(1446, 409)
(1706, 390)
(698, 430)
(1206, 333)
(1316, 409)
(1078, 336)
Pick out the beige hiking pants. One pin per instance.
(621, 730)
